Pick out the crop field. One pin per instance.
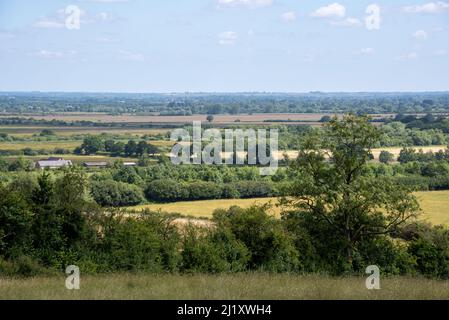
(64, 144)
(313, 118)
(251, 286)
(434, 204)
(205, 208)
(28, 131)
(76, 159)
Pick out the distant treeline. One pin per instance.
(187, 104)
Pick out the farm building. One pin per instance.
(95, 164)
(52, 163)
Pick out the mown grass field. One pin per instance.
(435, 206)
(74, 158)
(28, 131)
(255, 286)
(64, 144)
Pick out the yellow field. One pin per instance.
(74, 158)
(205, 208)
(28, 131)
(435, 206)
(69, 144)
(37, 145)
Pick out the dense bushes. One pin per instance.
(110, 193)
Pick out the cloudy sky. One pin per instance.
(224, 45)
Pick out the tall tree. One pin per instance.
(331, 186)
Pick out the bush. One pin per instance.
(270, 245)
(204, 190)
(146, 244)
(254, 189)
(110, 193)
(212, 251)
(166, 191)
(430, 247)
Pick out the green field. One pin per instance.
(255, 286)
(435, 206)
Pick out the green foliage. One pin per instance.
(212, 251)
(386, 157)
(166, 191)
(355, 206)
(270, 245)
(109, 193)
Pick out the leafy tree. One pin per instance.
(141, 148)
(130, 148)
(334, 190)
(386, 157)
(210, 118)
(115, 194)
(92, 144)
(47, 132)
(15, 223)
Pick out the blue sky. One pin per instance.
(224, 46)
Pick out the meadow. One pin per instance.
(244, 286)
(434, 205)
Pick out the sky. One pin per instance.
(224, 45)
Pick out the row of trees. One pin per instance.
(95, 144)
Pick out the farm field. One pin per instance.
(76, 159)
(314, 118)
(26, 131)
(434, 204)
(205, 208)
(251, 286)
(64, 144)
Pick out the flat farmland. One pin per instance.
(434, 206)
(39, 145)
(76, 159)
(27, 131)
(308, 118)
(205, 208)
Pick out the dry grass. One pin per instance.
(205, 208)
(28, 131)
(238, 286)
(435, 206)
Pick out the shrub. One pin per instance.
(212, 251)
(166, 191)
(110, 193)
(270, 245)
(204, 190)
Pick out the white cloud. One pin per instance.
(106, 1)
(46, 23)
(289, 16)
(253, 4)
(441, 52)
(131, 56)
(366, 51)
(330, 11)
(420, 35)
(48, 54)
(409, 56)
(227, 38)
(348, 22)
(431, 7)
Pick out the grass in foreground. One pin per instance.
(239, 286)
